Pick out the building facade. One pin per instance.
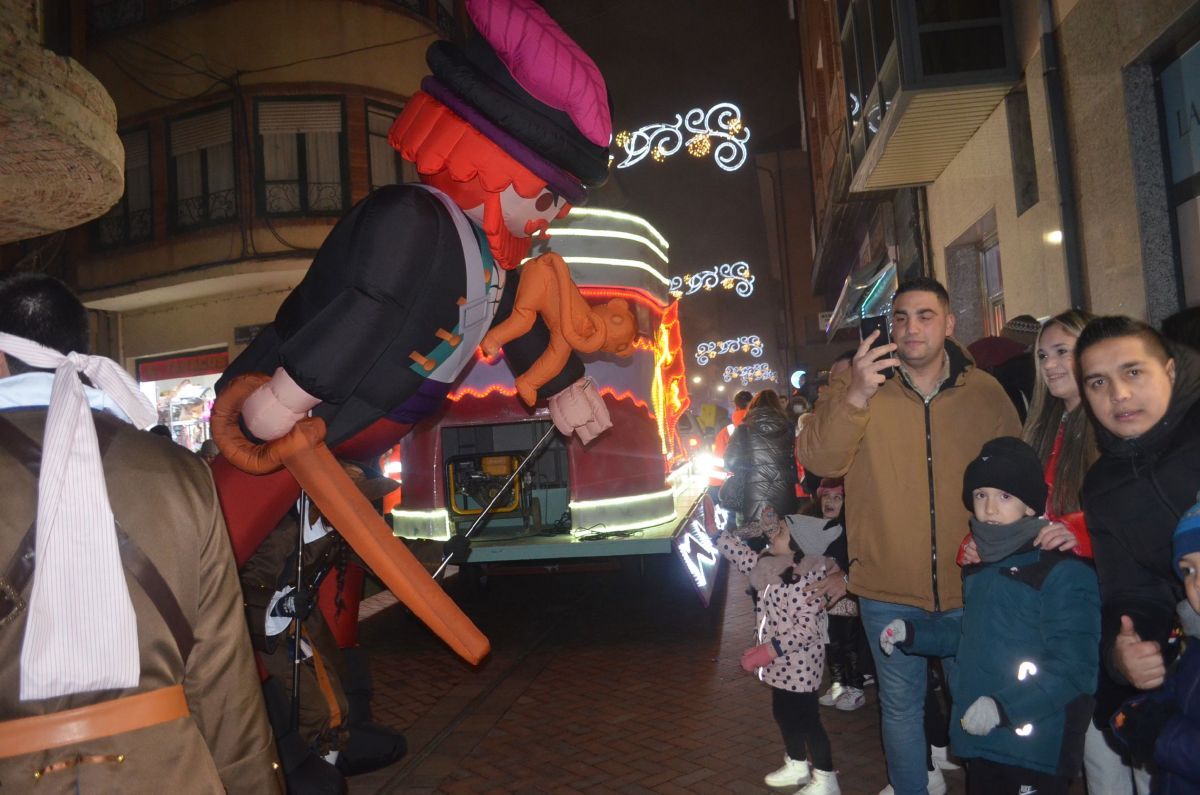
(249, 128)
(1048, 147)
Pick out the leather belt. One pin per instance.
(106, 719)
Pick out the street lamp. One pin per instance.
(696, 379)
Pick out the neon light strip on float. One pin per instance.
(654, 495)
(616, 215)
(575, 231)
(422, 524)
(619, 263)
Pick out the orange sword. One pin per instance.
(303, 452)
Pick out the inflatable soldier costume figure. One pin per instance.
(507, 134)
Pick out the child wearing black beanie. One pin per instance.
(1027, 640)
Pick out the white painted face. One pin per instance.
(523, 217)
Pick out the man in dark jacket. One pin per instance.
(1145, 395)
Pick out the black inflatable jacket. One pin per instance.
(762, 453)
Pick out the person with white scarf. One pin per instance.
(124, 660)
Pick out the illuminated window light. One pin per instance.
(748, 373)
(574, 231)
(617, 215)
(734, 276)
(709, 350)
(697, 129)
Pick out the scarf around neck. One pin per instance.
(997, 541)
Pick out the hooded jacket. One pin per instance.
(1133, 496)
(760, 451)
(903, 459)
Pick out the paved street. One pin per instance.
(614, 681)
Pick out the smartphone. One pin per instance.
(878, 323)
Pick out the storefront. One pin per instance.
(183, 387)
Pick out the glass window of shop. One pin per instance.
(183, 387)
(1179, 84)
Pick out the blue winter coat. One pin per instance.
(1178, 748)
(1029, 638)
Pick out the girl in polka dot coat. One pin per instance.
(791, 632)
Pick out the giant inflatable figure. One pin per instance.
(508, 132)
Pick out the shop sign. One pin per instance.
(164, 368)
(1181, 105)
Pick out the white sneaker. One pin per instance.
(851, 700)
(823, 783)
(941, 758)
(832, 695)
(792, 774)
(935, 786)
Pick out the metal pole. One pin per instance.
(507, 484)
(296, 618)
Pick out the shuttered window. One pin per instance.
(131, 219)
(202, 186)
(301, 156)
(387, 167)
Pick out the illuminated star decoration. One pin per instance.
(748, 373)
(697, 130)
(734, 276)
(707, 351)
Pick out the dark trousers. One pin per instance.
(799, 722)
(985, 777)
(845, 639)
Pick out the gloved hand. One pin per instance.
(294, 604)
(893, 633)
(273, 408)
(757, 657)
(458, 549)
(579, 409)
(981, 717)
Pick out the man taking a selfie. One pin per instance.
(902, 444)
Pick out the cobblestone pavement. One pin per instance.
(614, 681)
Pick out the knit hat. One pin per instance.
(1008, 464)
(1187, 534)
(1022, 329)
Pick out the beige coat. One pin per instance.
(164, 499)
(901, 551)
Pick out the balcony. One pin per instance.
(921, 78)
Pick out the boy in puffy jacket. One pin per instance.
(1027, 641)
(1167, 720)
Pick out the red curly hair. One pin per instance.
(466, 165)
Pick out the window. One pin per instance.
(387, 167)
(202, 173)
(991, 287)
(131, 220)
(105, 15)
(300, 164)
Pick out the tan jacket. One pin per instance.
(901, 551)
(163, 498)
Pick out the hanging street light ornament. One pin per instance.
(734, 276)
(748, 373)
(707, 351)
(698, 130)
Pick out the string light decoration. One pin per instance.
(748, 373)
(709, 350)
(734, 276)
(697, 130)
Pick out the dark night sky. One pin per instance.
(662, 57)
